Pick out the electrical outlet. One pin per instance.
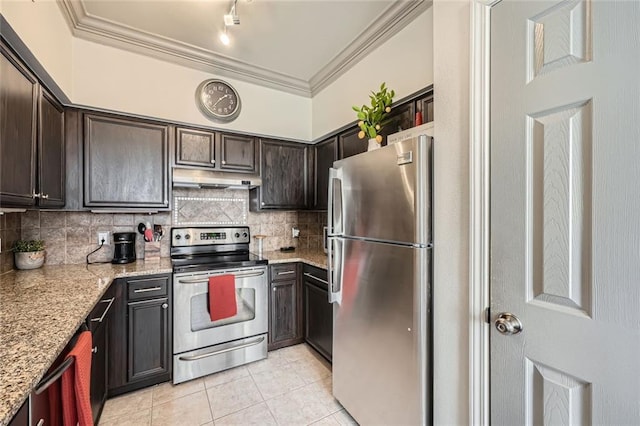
(295, 232)
(103, 236)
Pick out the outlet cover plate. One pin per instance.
(103, 236)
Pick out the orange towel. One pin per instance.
(222, 297)
(76, 404)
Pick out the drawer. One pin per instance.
(284, 271)
(147, 288)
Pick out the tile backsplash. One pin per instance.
(9, 233)
(70, 236)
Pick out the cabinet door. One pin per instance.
(425, 105)
(325, 153)
(283, 171)
(349, 144)
(118, 338)
(98, 387)
(400, 118)
(51, 152)
(283, 312)
(18, 102)
(195, 148)
(318, 317)
(149, 345)
(125, 163)
(238, 153)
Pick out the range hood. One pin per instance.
(189, 178)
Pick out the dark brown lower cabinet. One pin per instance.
(140, 339)
(318, 312)
(149, 340)
(285, 316)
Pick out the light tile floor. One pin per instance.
(291, 387)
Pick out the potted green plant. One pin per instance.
(372, 118)
(28, 254)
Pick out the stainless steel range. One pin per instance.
(202, 346)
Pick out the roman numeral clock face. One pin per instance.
(218, 100)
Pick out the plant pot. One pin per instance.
(29, 259)
(373, 144)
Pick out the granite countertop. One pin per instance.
(41, 309)
(316, 258)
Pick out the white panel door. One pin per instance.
(565, 212)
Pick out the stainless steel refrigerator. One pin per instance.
(379, 253)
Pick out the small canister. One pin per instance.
(259, 240)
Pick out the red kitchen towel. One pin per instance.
(76, 405)
(222, 297)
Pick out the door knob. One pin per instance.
(507, 323)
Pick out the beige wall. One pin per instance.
(42, 27)
(404, 62)
(451, 212)
(115, 79)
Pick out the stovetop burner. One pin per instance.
(206, 248)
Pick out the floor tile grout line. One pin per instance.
(206, 392)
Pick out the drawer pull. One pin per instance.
(145, 290)
(110, 301)
(206, 355)
(286, 273)
(306, 274)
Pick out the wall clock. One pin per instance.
(218, 100)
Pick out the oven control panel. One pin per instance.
(181, 237)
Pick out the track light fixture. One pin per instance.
(232, 17)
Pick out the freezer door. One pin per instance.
(381, 334)
(384, 194)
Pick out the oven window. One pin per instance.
(245, 300)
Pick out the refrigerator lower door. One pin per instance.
(382, 329)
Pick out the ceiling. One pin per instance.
(298, 46)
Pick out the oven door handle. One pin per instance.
(206, 280)
(221, 351)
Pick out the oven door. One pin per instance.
(192, 326)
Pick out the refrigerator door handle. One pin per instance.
(335, 270)
(334, 197)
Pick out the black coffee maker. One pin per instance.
(125, 247)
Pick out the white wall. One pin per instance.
(404, 62)
(451, 212)
(42, 27)
(111, 78)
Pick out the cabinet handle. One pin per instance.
(213, 161)
(37, 195)
(224, 162)
(144, 290)
(40, 422)
(45, 196)
(286, 273)
(94, 350)
(306, 274)
(110, 301)
(275, 289)
(165, 306)
(262, 203)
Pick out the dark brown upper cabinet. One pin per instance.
(196, 148)
(32, 159)
(51, 152)
(237, 153)
(283, 169)
(321, 158)
(349, 144)
(126, 163)
(425, 106)
(215, 151)
(401, 117)
(18, 134)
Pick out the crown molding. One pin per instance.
(397, 16)
(103, 31)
